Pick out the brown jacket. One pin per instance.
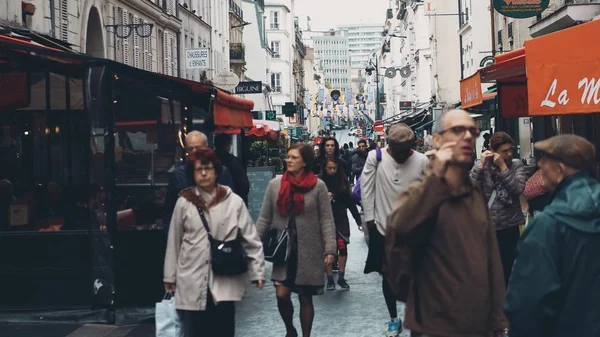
(459, 280)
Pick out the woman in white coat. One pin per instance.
(204, 299)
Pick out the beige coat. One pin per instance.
(187, 259)
(316, 231)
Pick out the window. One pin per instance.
(275, 49)
(274, 20)
(44, 178)
(276, 82)
(146, 152)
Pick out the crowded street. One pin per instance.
(299, 168)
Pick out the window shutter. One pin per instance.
(64, 20)
(126, 59)
(173, 56)
(171, 7)
(147, 49)
(136, 44)
(118, 19)
(167, 53)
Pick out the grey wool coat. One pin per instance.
(315, 227)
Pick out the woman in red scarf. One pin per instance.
(299, 203)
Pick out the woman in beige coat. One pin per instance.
(299, 194)
(206, 300)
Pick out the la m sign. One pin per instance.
(254, 87)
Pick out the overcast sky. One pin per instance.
(327, 14)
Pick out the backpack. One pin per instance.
(356, 190)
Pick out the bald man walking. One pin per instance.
(181, 179)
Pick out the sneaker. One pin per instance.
(394, 328)
(330, 285)
(343, 284)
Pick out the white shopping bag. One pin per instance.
(167, 320)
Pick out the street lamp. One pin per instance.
(369, 70)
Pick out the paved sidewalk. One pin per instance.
(360, 312)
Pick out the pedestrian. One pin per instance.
(223, 143)
(554, 289)
(205, 296)
(181, 178)
(359, 158)
(387, 173)
(502, 180)
(341, 202)
(298, 201)
(457, 285)
(536, 193)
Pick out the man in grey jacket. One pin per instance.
(502, 180)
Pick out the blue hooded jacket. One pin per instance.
(554, 289)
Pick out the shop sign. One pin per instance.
(246, 87)
(566, 81)
(470, 91)
(486, 61)
(520, 9)
(197, 58)
(226, 80)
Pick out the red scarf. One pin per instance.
(296, 186)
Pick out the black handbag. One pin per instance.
(275, 246)
(227, 257)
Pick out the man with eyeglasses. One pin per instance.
(440, 238)
(181, 179)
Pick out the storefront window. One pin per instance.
(147, 150)
(43, 150)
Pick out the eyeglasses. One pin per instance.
(461, 130)
(206, 169)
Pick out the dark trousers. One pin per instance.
(216, 320)
(507, 244)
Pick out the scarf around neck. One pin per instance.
(294, 188)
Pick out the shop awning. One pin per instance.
(563, 71)
(232, 111)
(508, 67)
(264, 129)
(228, 110)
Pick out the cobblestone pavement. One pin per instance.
(360, 312)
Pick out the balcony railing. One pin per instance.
(237, 51)
(301, 47)
(236, 10)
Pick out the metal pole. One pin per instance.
(377, 109)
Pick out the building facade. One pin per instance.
(334, 58)
(281, 35)
(196, 33)
(219, 35)
(299, 72)
(258, 55)
(362, 41)
(475, 41)
(237, 48)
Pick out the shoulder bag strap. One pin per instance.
(205, 223)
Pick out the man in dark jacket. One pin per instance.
(554, 288)
(181, 179)
(222, 145)
(359, 158)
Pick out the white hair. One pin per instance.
(196, 133)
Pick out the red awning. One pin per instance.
(233, 111)
(264, 130)
(11, 40)
(507, 67)
(227, 130)
(228, 110)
